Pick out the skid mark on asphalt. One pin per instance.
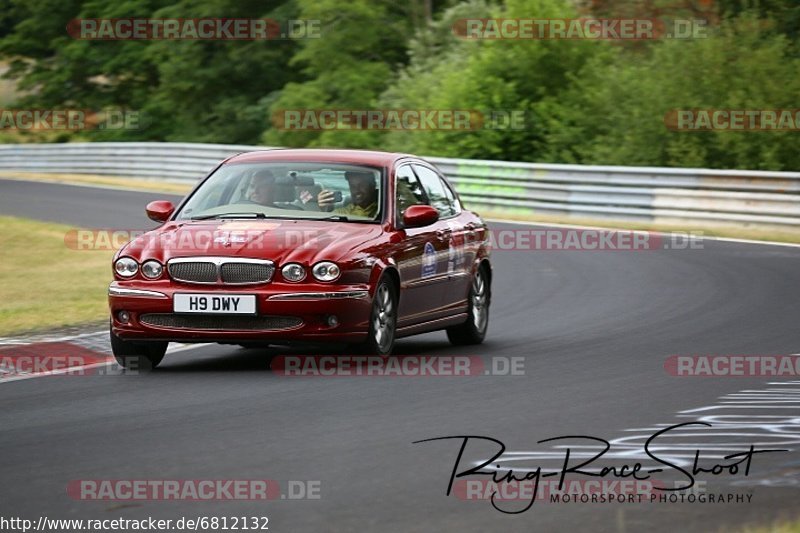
(767, 418)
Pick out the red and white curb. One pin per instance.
(45, 355)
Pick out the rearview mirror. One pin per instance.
(160, 210)
(294, 179)
(418, 216)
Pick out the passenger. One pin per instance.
(262, 187)
(363, 193)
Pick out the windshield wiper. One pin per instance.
(230, 215)
(335, 218)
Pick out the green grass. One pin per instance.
(45, 284)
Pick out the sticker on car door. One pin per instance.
(428, 261)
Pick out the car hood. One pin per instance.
(282, 241)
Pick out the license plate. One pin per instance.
(226, 304)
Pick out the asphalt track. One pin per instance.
(594, 328)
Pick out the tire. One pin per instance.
(473, 330)
(143, 356)
(382, 320)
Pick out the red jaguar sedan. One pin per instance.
(277, 246)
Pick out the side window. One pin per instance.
(435, 190)
(408, 191)
(451, 197)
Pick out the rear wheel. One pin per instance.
(473, 331)
(137, 355)
(383, 320)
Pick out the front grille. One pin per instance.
(222, 323)
(246, 272)
(222, 270)
(194, 272)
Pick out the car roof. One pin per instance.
(362, 157)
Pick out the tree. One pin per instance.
(614, 110)
(184, 90)
(347, 68)
(500, 76)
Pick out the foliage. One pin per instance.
(584, 101)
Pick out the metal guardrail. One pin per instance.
(666, 195)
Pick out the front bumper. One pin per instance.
(285, 312)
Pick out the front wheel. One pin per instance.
(140, 355)
(383, 320)
(473, 331)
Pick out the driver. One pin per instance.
(262, 186)
(363, 192)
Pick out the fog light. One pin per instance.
(123, 316)
(333, 321)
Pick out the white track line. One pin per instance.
(185, 347)
(56, 372)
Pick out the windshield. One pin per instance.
(318, 191)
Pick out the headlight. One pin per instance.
(293, 272)
(152, 269)
(326, 271)
(126, 267)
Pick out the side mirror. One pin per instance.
(418, 216)
(159, 210)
